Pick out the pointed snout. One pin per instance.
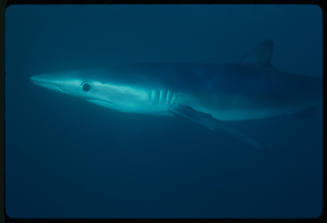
(46, 81)
(40, 79)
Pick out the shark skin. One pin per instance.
(209, 94)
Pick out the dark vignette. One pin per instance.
(6, 3)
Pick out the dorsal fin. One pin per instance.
(260, 55)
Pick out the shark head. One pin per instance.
(114, 95)
(67, 84)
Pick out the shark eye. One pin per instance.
(86, 87)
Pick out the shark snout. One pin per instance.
(46, 81)
(42, 78)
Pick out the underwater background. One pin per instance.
(66, 158)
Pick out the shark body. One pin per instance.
(209, 94)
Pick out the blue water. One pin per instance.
(66, 158)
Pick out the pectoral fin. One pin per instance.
(209, 122)
(195, 116)
(100, 103)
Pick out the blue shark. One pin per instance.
(209, 94)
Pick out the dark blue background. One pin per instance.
(66, 158)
